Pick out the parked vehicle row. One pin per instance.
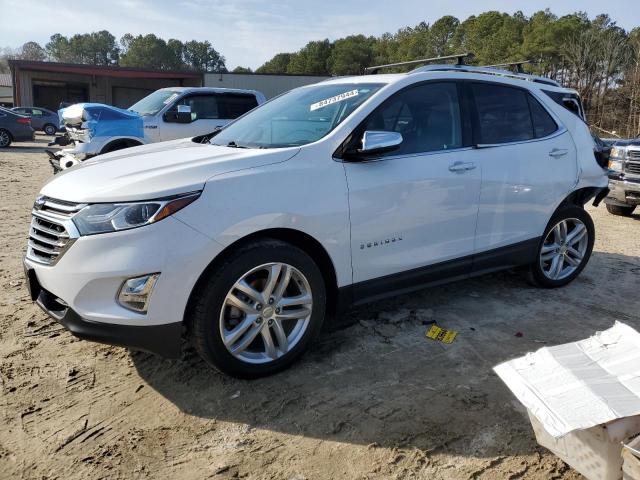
(41, 119)
(247, 240)
(166, 114)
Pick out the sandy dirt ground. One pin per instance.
(376, 400)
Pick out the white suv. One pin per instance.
(331, 195)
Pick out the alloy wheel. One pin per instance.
(5, 139)
(564, 249)
(266, 313)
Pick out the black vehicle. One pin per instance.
(14, 128)
(624, 178)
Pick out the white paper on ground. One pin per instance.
(579, 385)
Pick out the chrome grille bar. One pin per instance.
(52, 231)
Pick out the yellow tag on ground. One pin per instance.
(441, 335)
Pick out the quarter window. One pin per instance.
(427, 116)
(503, 114)
(543, 124)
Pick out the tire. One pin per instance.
(50, 129)
(620, 210)
(213, 311)
(5, 138)
(571, 247)
(118, 145)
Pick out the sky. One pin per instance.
(250, 32)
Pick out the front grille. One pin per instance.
(634, 154)
(632, 167)
(52, 232)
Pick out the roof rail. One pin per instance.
(517, 65)
(487, 71)
(458, 57)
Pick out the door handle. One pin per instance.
(558, 152)
(461, 166)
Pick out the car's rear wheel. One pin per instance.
(5, 138)
(258, 310)
(620, 210)
(50, 129)
(565, 248)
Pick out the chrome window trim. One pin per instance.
(406, 155)
(561, 129)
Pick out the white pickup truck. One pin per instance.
(166, 114)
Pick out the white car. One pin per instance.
(334, 194)
(166, 114)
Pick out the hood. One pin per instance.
(155, 171)
(101, 120)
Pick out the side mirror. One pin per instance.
(374, 141)
(181, 115)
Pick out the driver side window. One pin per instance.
(427, 116)
(202, 106)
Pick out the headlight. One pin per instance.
(615, 165)
(617, 153)
(112, 217)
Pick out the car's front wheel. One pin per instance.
(258, 310)
(565, 248)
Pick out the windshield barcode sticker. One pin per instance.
(334, 99)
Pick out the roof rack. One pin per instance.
(487, 71)
(458, 57)
(517, 65)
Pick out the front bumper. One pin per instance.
(80, 290)
(163, 340)
(623, 191)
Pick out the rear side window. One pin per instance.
(232, 106)
(503, 114)
(543, 124)
(427, 116)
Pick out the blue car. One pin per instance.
(41, 119)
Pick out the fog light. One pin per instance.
(136, 292)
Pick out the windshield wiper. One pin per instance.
(235, 145)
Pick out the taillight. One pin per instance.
(24, 121)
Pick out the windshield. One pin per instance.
(299, 117)
(152, 104)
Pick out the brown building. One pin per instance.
(48, 84)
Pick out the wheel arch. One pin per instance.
(581, 197)
(297, 238)
(123, 142)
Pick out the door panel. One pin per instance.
(204, 111)
(522, 184)
(528, 163)
(415, 206)
(410, 212)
